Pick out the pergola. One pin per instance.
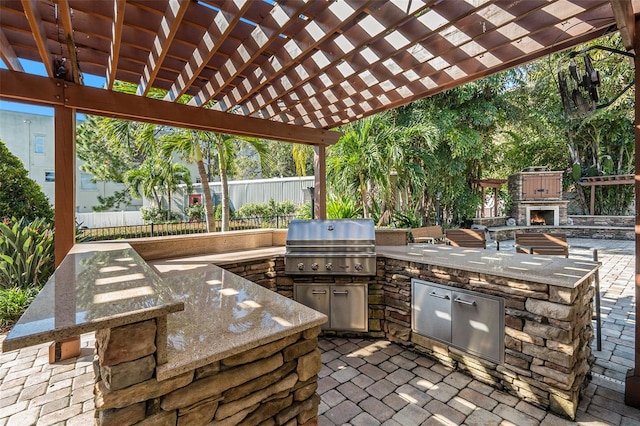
(282, 70)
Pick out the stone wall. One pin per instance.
(547, 329)
(573, 231)
(603, 221)
(547, 333)
(275, 383)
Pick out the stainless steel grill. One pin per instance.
(336, 247)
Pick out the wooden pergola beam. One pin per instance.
(64, 11)
(253, 46)
(218, 31)
(168, 29)
(29, 88)
(8, 55)
(35, 23)
(116, 40)
(625, 20)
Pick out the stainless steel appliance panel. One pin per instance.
(478, 325)
(315, 297)
(333, 263)
(431, 308)
(349, 307)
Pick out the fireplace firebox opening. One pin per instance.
(541, 216)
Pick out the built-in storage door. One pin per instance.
(316, 297)
(349, 307)
(431, 311)
(478, 325)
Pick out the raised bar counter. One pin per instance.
(551, 270)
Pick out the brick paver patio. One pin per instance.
(372, 382)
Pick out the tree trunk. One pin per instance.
(225, 187)
(208, 202)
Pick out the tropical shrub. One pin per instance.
(20, 196)
(13, 302)
(158, 215)
(267, 210)
(343, 208)
(195, 212)
(27, 253)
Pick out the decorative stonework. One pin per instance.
(274, 383)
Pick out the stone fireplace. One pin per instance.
(537, 198)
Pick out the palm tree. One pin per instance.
(173, 176)
(189, 144)
(359, 160)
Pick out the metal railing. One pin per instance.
(179, 228)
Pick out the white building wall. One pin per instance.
(30, 137)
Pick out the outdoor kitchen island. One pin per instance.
(195, 345)
(266, 364)
(546, 316)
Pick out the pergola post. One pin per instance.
(632, 383)
(320, 183)
(65, 188)
(65, 219)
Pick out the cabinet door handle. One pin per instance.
(465, 302)
(441, 296)
(341, 292)
(318, 291)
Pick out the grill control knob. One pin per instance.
(329, 266)
(314, 266)
(358, 267)
(300, 266)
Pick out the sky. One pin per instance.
(31, 67)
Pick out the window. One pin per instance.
(38, 144)
(86, 182)
(49, 176)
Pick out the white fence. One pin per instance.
(108, 219)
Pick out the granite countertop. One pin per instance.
(551, 270)
(97, 285)
(224, 315)
(213, 313)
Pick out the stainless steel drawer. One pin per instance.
(478, 324)
(316, 297)
(349, 307)
(431, 311)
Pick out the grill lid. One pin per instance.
(330, 232)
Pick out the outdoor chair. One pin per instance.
(474, 238)
(552, 243)
(427, 234)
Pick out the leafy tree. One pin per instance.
(20, 196)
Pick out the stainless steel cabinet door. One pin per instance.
(314, 296)
(431, 308)
(478, 325)
(349, 307)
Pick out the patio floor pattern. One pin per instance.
(373, 382)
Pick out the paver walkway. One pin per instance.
(372, 382)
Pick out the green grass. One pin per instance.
(13, 302)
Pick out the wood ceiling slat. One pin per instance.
(116, 39)
(35, 22)
(318, 29)
(220, 28)
(354, 38)
(443, 82)
(166, 32)
(265, 33)
(425, 70)
(8, 55)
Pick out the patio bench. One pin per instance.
(427, 234)
(552, 243)
(474, 238)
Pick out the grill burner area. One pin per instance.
(331, 247)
